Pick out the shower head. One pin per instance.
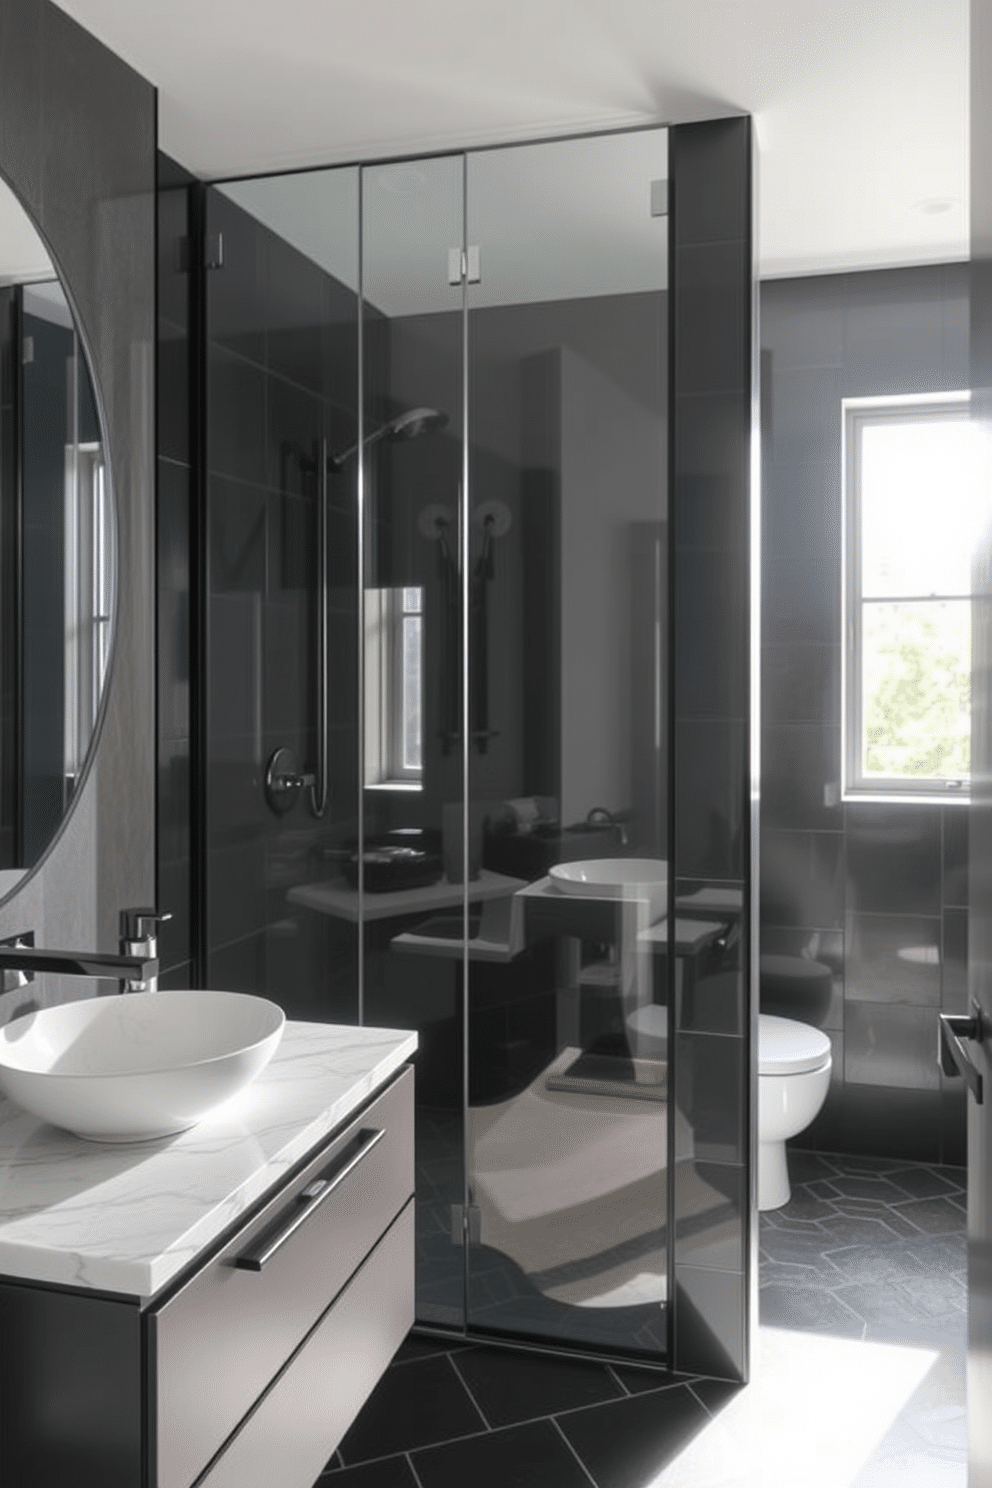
(409, 425)
(414, 423)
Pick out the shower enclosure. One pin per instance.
(442, 695)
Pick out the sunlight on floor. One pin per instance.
(814, 1414)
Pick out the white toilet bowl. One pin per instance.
(793, 1079)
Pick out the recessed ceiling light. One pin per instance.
(933, 206)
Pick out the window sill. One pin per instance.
(899, 798)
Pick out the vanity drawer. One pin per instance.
(219, 1341)
(298, 1424)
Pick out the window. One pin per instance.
(910, 526)
(394, 688)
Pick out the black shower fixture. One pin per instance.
(409, 425)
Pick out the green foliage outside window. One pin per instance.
(917, 690)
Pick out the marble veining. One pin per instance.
(128, 1218)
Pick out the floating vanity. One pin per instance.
(212, 1308)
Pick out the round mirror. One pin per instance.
(57, 550)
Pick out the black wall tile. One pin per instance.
(893, 859)
(802, 878)
(894, 958)
(237, 394)
(712, 680)
(709, 1312)
(801, 776)
(711, 798)
(890, 1045)
(710, 1089)
(954, 962)
(824, 339)
(711, 318)
(801, 684)
(710, 1207)
(711, 181)
(955, 862)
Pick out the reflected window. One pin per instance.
(912, 515)
(394, 688)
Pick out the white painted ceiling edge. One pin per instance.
(861, 106)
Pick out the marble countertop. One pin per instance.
(128, 1219)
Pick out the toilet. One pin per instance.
(793, 1079)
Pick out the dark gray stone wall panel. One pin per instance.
(77, 144)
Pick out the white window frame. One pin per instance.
(856, 413)
(385, 685)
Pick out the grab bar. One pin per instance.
(954, 1057)
(318, 790)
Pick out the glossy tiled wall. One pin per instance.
(854, 886)
(174, 558)
(711, 288)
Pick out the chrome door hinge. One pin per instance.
(213, 251)
(460, 1227)
(659, 198)
(464, 266)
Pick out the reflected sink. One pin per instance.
(129, 1068)
(616, 878)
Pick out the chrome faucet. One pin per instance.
(135, 967)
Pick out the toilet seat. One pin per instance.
(786, 1047)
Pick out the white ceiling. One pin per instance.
(564, 220)
(861, 105)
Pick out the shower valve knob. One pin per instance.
(283, 781)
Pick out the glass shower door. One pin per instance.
(282, 590)
(567, 1123)
(413, 886)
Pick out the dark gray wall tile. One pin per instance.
(955, 830)
(709, 1336)
(801, 684)
(893, 858)
(893, 958)
(954, 961)
(802, 878)
(801, 777)
(710, 1204)
(889, 1045)
(709, 1094)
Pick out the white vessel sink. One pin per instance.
(128, 1068)
(616, 878)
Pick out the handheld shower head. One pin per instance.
(409, 425)
(414, 423)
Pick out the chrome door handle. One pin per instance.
(308, 1201)
(954, 1056)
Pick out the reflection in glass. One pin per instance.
(568, 999)
(412, 216)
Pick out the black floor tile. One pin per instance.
(921, 1183)
(714, 1394)
(423, 1346)
(627, 1443)
(413, 1405)
(867, 1263)
(857, 1186)
(531, 1456)
(811, 1308)
(511, 1387)
(934, 1216)
(637, 1381)
(390, 1472)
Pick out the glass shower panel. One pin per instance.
(567, 1123)
(413, 877)
(282, 590)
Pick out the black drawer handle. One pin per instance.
(308, 1200)
(954, 1057)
